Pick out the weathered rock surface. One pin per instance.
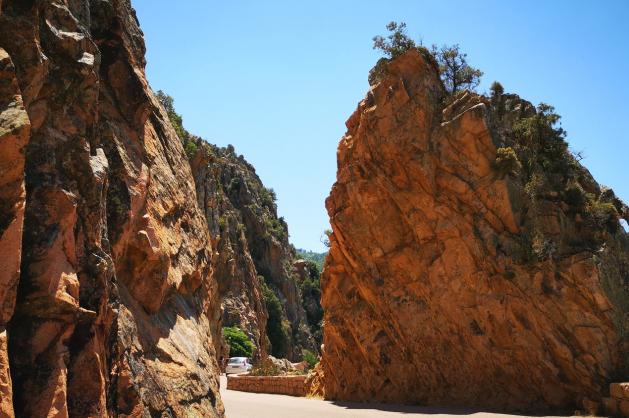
(14, 134)
(308, 276)
(449, 283)
(239, 287)
(116, 311)
(250, 241)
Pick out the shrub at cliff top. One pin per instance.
(176, 120)
(239, 343)
(396, 43)
(457, 75)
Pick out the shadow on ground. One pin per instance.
(423, 410)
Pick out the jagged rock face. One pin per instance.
(241, 295)
(427, 296)
(251, 241)
(307, 275)
(116, 309)
(14, 134)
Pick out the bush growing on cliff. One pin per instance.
(456, 73)
(188, 141)
(496, 89)
(507, 161)
(603, 214)
(396, 43)
(310, 358)
(541, 128)
(575, 196)
(268, 197)
(541, 143)
(325, 238)
(276, 228)
(276, 329)
(239, 343)
(310, 289)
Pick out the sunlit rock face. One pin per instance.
(108, 302)
(449, 283)
(14, 135)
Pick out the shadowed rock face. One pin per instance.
(116, 308)
(218, 175)
(14, 134)
(428, 295)
(251, 241)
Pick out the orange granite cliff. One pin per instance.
(473, 262)
(108, 302)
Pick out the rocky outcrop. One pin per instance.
(252, 249)
(473, 261)
(14, 134)
(239, 286)
(116, 309)
(307, 274)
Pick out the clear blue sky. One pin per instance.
(278, 79)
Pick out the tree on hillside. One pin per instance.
(177, 121)
(396, 43)
(175, 118)
(239, 344)
(456, 73)
(496, 89)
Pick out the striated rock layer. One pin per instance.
(452, 283)
(252, 247)
(116, 308)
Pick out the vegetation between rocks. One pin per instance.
(277, 329)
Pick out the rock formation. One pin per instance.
(474, 262)
(116, 310)
(252, 248)
(14, 134)
(308, 275)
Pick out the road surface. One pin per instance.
(257, 405)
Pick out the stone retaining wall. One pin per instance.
(282, 385)
(618, 402)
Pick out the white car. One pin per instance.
(238, 365)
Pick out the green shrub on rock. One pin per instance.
(396, 43)
(310, 358)
(507, 161)
(575, 196)
(604, 214)
(277, 329)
